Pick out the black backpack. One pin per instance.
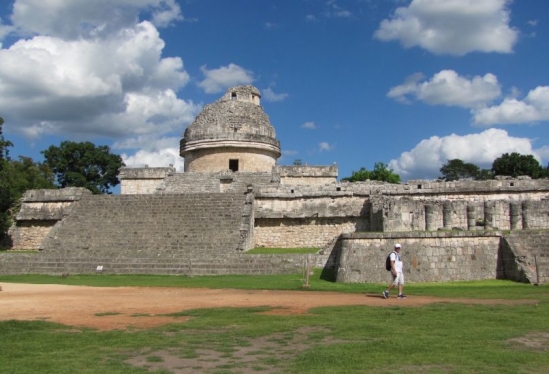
(388, 261)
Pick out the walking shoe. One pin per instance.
(401, 296)
(385, 294)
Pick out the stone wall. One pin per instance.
(427, 258)
(525, 256)
(292, 217)
(40, 211)
(28, 235)
(389, 214)
(306, 175)
(227, 181)
(215, 159)
(303, 232)
(436, 222)
(142, 180)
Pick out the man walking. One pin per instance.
(396, 273)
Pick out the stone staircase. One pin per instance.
(149, 225)
(179, 234)
(220, 264)
(524, 256)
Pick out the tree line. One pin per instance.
(508, 164)
(70, 164)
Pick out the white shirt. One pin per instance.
(398, 262)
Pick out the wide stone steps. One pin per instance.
(129, 224)
(225, 264)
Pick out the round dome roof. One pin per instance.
(236, 117)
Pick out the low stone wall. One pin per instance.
(428, 257)
(304, 232)
(28, 235)
(143, 180)
(306, 175)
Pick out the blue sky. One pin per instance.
(411, 83)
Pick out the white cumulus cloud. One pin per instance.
(269, 95)
(455, 27)
(218, 80)
(448, 88)
(154, 153)
(426, 158)
(533, 108)
(75, 19)
(324, 146)
(309, 125)
(89, 70)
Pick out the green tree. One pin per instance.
(29, 175)
(358, 176)
(4, 144)
(456, 169)
(381, 172)
(515, 164)
(298, 162)
(84, 165)
(16, 177)
(485, 174)
(5, 195)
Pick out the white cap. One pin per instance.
(397, 245)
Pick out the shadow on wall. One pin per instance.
(329, 271)
(5, 242)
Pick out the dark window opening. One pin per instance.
(233, 165)
(338, 188)
(512, 184)
(233, 96)
(419, 186)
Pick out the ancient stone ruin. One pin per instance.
(233, 197)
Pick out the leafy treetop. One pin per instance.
(84, 165)
(381, 172)
(515, 164)
(4, 144)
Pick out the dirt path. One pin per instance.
(123, 307)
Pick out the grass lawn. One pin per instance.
(437, 338)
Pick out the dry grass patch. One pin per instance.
(266, 354)
(538, 341)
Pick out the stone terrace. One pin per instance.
(149, 225)
(191, 234)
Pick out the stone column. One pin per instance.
(447, 215)
(489, 211)
(516, 215)
(471, 217)
(430, 217)
(527, 211)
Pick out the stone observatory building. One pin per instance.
(233, 197)
(233, 133)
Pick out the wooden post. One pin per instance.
(307, 272)
(537, 270)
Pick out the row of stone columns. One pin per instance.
(514, 215)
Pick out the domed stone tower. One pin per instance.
(232, 133)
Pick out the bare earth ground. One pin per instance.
(107, 308)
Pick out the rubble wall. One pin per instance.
(40, 211)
